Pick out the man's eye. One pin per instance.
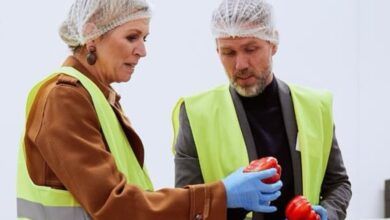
(251, 49)
(228, 53)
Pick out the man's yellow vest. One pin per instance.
(220, 143)
(41, 202)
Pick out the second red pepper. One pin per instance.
(299, 208)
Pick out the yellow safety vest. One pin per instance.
(220, 143)
(44, 203)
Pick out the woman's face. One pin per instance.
(119, 50)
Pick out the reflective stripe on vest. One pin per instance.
(220, 144)
(33, 210)
(36, 201)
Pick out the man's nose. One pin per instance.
(242, 62)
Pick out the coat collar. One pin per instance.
(107, 90)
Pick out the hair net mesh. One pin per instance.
(244, 18)
(88, 19)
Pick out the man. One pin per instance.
(259, 115)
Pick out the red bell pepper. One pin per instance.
(263, 164)
(299, 208)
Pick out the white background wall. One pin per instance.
(340, 45)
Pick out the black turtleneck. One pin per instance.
(264, 114)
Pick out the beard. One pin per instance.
(254, 90)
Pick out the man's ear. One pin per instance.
(274, 49)
(216, 45)
(275, 46)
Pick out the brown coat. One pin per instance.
(66, 150)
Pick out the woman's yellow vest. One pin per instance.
(44, 203)
(220, 143)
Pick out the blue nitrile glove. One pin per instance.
(321, 211)
(246, 190)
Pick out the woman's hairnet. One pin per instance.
(88, 19)
(244, 18)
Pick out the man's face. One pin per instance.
(247, 62)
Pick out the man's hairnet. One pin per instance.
(88, 19)
(244, 18)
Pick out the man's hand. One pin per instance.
(321, 211)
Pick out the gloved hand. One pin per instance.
(321, 211)
(246, 190)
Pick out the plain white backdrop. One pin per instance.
(339, 45)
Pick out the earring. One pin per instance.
(91, 55)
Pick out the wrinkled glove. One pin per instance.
(321, 211)
(246, 190)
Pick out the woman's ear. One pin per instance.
(90, 44)
(91, 52)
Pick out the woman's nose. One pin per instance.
(140, 50)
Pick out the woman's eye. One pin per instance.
(132, 38)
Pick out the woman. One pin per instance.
(81, 159)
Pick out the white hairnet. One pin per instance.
(88, 19)
(244, 18)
